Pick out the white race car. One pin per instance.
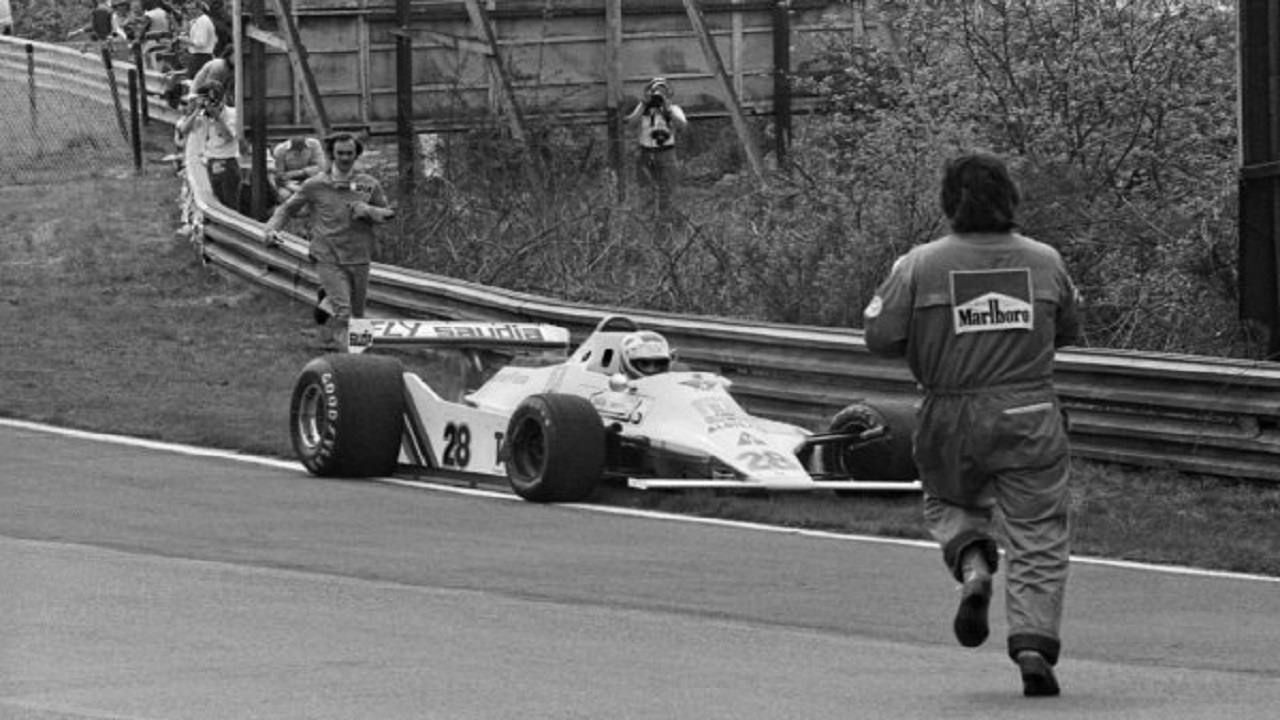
(557, 430)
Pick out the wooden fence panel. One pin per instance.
(555, 52)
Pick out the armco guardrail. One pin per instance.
(1216, 416)
(67, 70)
(1209, 415)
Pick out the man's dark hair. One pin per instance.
(978, 195)
(336, 138)
(211, 89)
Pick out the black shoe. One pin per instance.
(971, 617)
(322, 310)
(1037, 675)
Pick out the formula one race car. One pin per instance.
(557, 429)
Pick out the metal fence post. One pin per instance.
(31, 89)
(142, 82)
(115, 91)
(134, 125)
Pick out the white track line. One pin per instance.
(195, 451)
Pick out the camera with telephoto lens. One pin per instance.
(207, 99)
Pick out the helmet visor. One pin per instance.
(651, 366)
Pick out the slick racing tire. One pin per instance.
(555, 448)
(887, 458)
(346, 417)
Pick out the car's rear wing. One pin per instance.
(364, 333)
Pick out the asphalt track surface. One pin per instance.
(147, 583)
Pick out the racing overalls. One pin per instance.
(341, 245)
(978, 317)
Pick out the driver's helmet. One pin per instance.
(645, 353)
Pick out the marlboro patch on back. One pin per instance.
(992, 300)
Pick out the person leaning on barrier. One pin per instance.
(160, 20)
(344, 205)
(157, 34)
(209, 117)
(657, 119)
(978, 314)
(295, 160)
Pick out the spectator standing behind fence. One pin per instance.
(134, 22)
(202, 39)
(210, 118)
(978, 315)
(344, 205)
(221, 18)
(6, 18)
(103, 26)
(158, 28)
(296, 159)
(657, 120)
(122, 18)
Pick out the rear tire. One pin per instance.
(887, 458)
(555, 448)
(346, 417)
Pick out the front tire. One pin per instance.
(886, 458)
(555, 448)
(346, 417)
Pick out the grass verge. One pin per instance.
(114, 325)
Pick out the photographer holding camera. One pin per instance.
(208, 113)
(657, 120)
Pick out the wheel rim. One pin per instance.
(528, 450)
(310, 412)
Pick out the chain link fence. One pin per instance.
(63, 113)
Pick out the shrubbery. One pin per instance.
(1118, 118)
